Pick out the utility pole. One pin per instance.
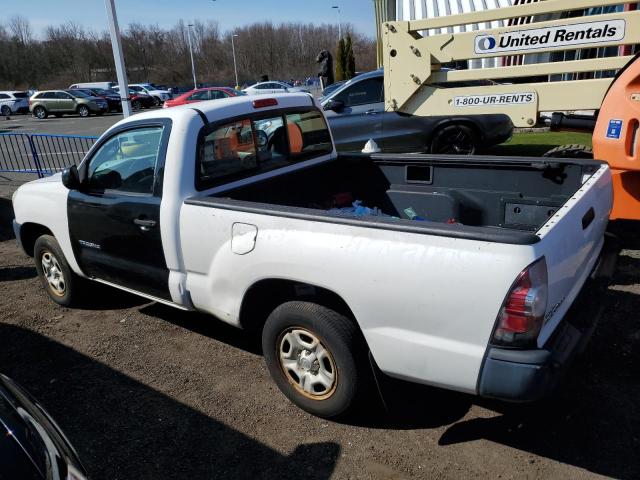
(116, 45)
(235, 66)
(193, 65)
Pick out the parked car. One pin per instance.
(103, 85)
(139, 99)
(111, 96)
(272, 87)
(209, 93)
(159, 96)
(356, 114)
(60, 102)
(12, 101)
(481, 275)
(33, 446)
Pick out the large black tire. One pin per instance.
(51, 264)
(455, 139)
(340, 367)
(570, 151)
(157, 102)
(40, 112)
(136, 105)
(5, 111)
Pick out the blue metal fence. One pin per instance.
(41, 154)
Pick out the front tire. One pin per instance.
(455, 140)
(136, 105)
(84, 111)
(156, 101)
(58, 280)
(316, 357)
(40, 113)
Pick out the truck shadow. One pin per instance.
(125, 429)
(593, 420)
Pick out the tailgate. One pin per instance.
(571, 242)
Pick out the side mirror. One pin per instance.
(334, 105)
(71, 178)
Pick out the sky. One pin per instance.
(165, 13)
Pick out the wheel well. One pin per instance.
(264, 296)
(29, 233)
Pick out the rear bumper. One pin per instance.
(528, 375)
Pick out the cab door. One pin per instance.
(114, 219)
(65, 102)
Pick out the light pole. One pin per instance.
(193, 65)
(118, 57)
(235, 65)
(339, 23)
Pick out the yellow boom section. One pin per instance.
(416, 84)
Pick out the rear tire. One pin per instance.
(84, 111)
(59, 281)
(40, 113)
(157, 102)
(5, 111)
(570, 151)
(455, 139)
(317, 358)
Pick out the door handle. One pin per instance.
(145, 224)
(370, 112)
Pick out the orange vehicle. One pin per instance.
(616, 139)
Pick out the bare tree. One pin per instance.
(68, 53)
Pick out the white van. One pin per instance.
(103, 85)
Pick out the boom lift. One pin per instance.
(414, 51)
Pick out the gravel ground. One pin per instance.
(148, 392)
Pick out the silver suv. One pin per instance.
(60, 102)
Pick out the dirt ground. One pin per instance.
(147, 392)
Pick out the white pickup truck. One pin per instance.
(477, 274)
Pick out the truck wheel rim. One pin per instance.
(53, 273)
(307, 363)
(40, 113)
(84, 111)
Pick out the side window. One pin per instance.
(363, 92)
(63, 96)
(308, 133)
(250, 146)
(47, 95)
(126, 162)
(216, 94)
(4, 95)
(230, 149)
(204, 95)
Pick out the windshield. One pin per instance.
(136, 88)
(235, 92)
(77, 93)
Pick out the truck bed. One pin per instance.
(478, 198)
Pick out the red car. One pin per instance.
(200, 94)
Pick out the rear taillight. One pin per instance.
(520, 318)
